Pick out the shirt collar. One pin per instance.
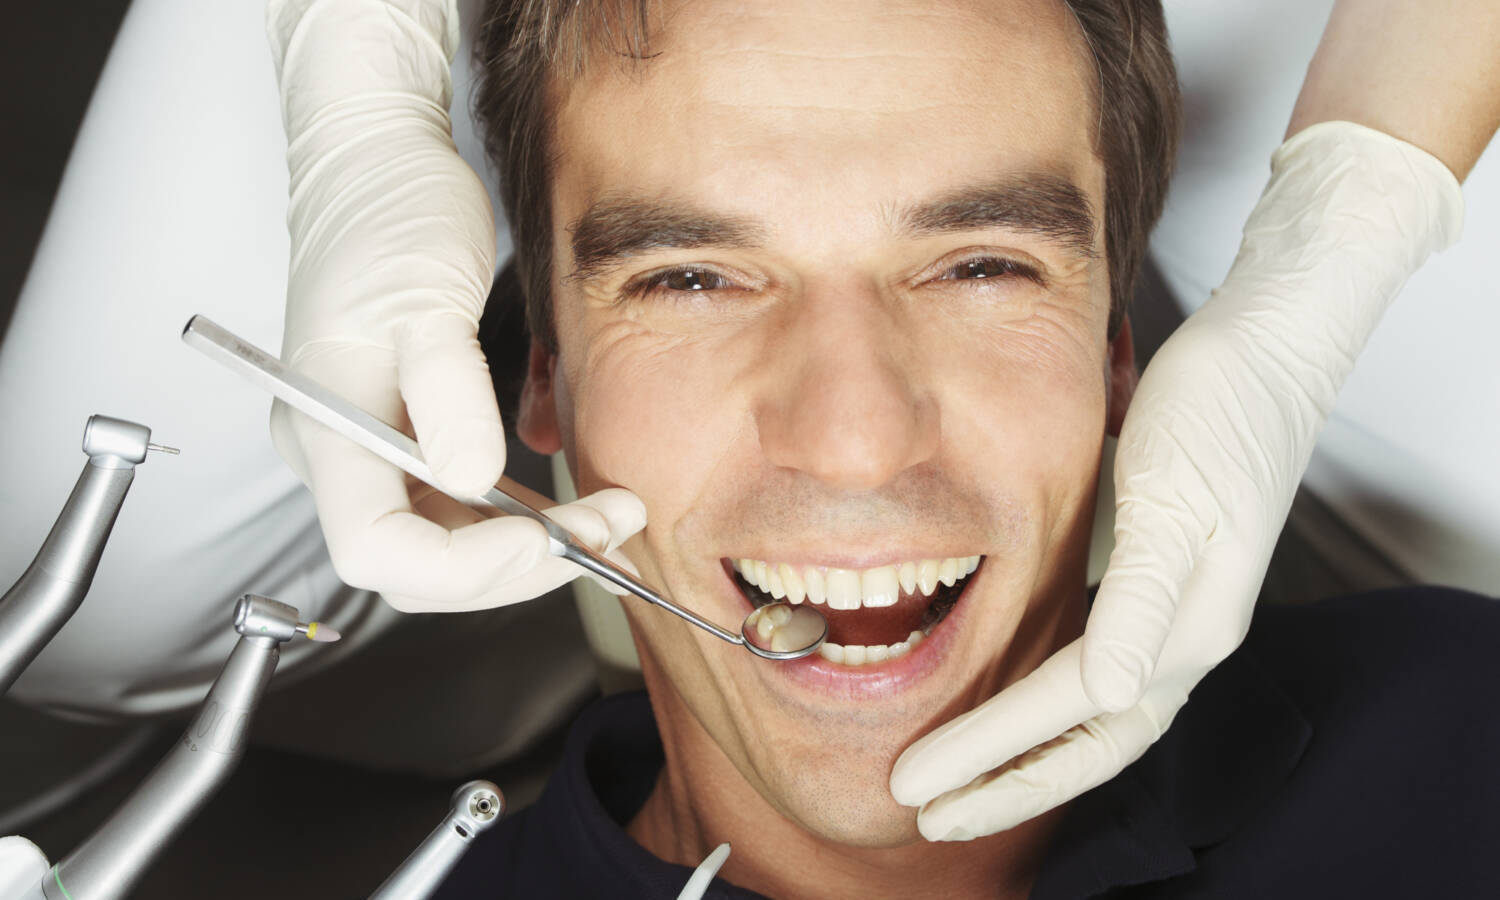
(1230, 748)
(610, 764)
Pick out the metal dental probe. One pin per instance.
(776, 631)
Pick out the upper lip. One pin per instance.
(848, 560)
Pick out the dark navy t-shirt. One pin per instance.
(1347, 749)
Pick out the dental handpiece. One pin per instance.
(107, 865)
(776, 631)
(476, 806)
(52, 588)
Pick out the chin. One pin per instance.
(849, 808)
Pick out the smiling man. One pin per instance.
(837, 289)
(828, 286)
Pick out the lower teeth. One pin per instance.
(860, 655)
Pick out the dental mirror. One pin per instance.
(776, 631)
(784, 631)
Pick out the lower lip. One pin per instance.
(818, 674)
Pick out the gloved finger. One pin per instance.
(547, 575)
(601, 520)
(377, 542)
(450, 399)
(284, 439)
(1035, 709)
(1079, 760)
(625, 515)
(1216, 605)
(507, 588)
(1156, 547)
(586, 523)
(464, 565)
(440, 509)
(619, 558)
(621, 512)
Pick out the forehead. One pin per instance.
(883, 102)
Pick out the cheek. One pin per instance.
(653, 412)
(1052, 359)
(1026, 404)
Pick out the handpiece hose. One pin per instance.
(54, 585)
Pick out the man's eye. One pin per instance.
(675, 284)
(688, 280)
(989, 267)
(684, 280)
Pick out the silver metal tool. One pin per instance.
(766, 632)
(476, 806)
(107, 864)
(52, 588)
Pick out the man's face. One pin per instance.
(829, 298)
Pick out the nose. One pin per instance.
(842, 397)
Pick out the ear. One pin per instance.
(536, 420)
(1122, 377)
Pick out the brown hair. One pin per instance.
(523, 44)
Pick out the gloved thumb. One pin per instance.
(1136, 604)
(450, 398)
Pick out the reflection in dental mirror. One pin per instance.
(784, 631)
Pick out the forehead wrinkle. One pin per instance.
(616, 228)
(863, 53)
(1044, 204)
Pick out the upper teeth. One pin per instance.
(853, 588)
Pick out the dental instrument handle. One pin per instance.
(609, 571)
(107, 865)
(476, 806)
(337, 414)
(52, 588)
(349, 421)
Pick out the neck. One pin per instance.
(701, 800)
(683, 827)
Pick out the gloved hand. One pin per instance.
(22, 866)
(392, 255)
(1215, 441)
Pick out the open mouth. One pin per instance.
(873, 615)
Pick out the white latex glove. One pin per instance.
(1215, 441)
(22, 866)
(392, 255)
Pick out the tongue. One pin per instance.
(876, 625)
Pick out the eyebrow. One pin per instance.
(1044, 204)
(614, 229)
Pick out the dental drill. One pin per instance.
(476, 806)
(53, 586)
(107, 865)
